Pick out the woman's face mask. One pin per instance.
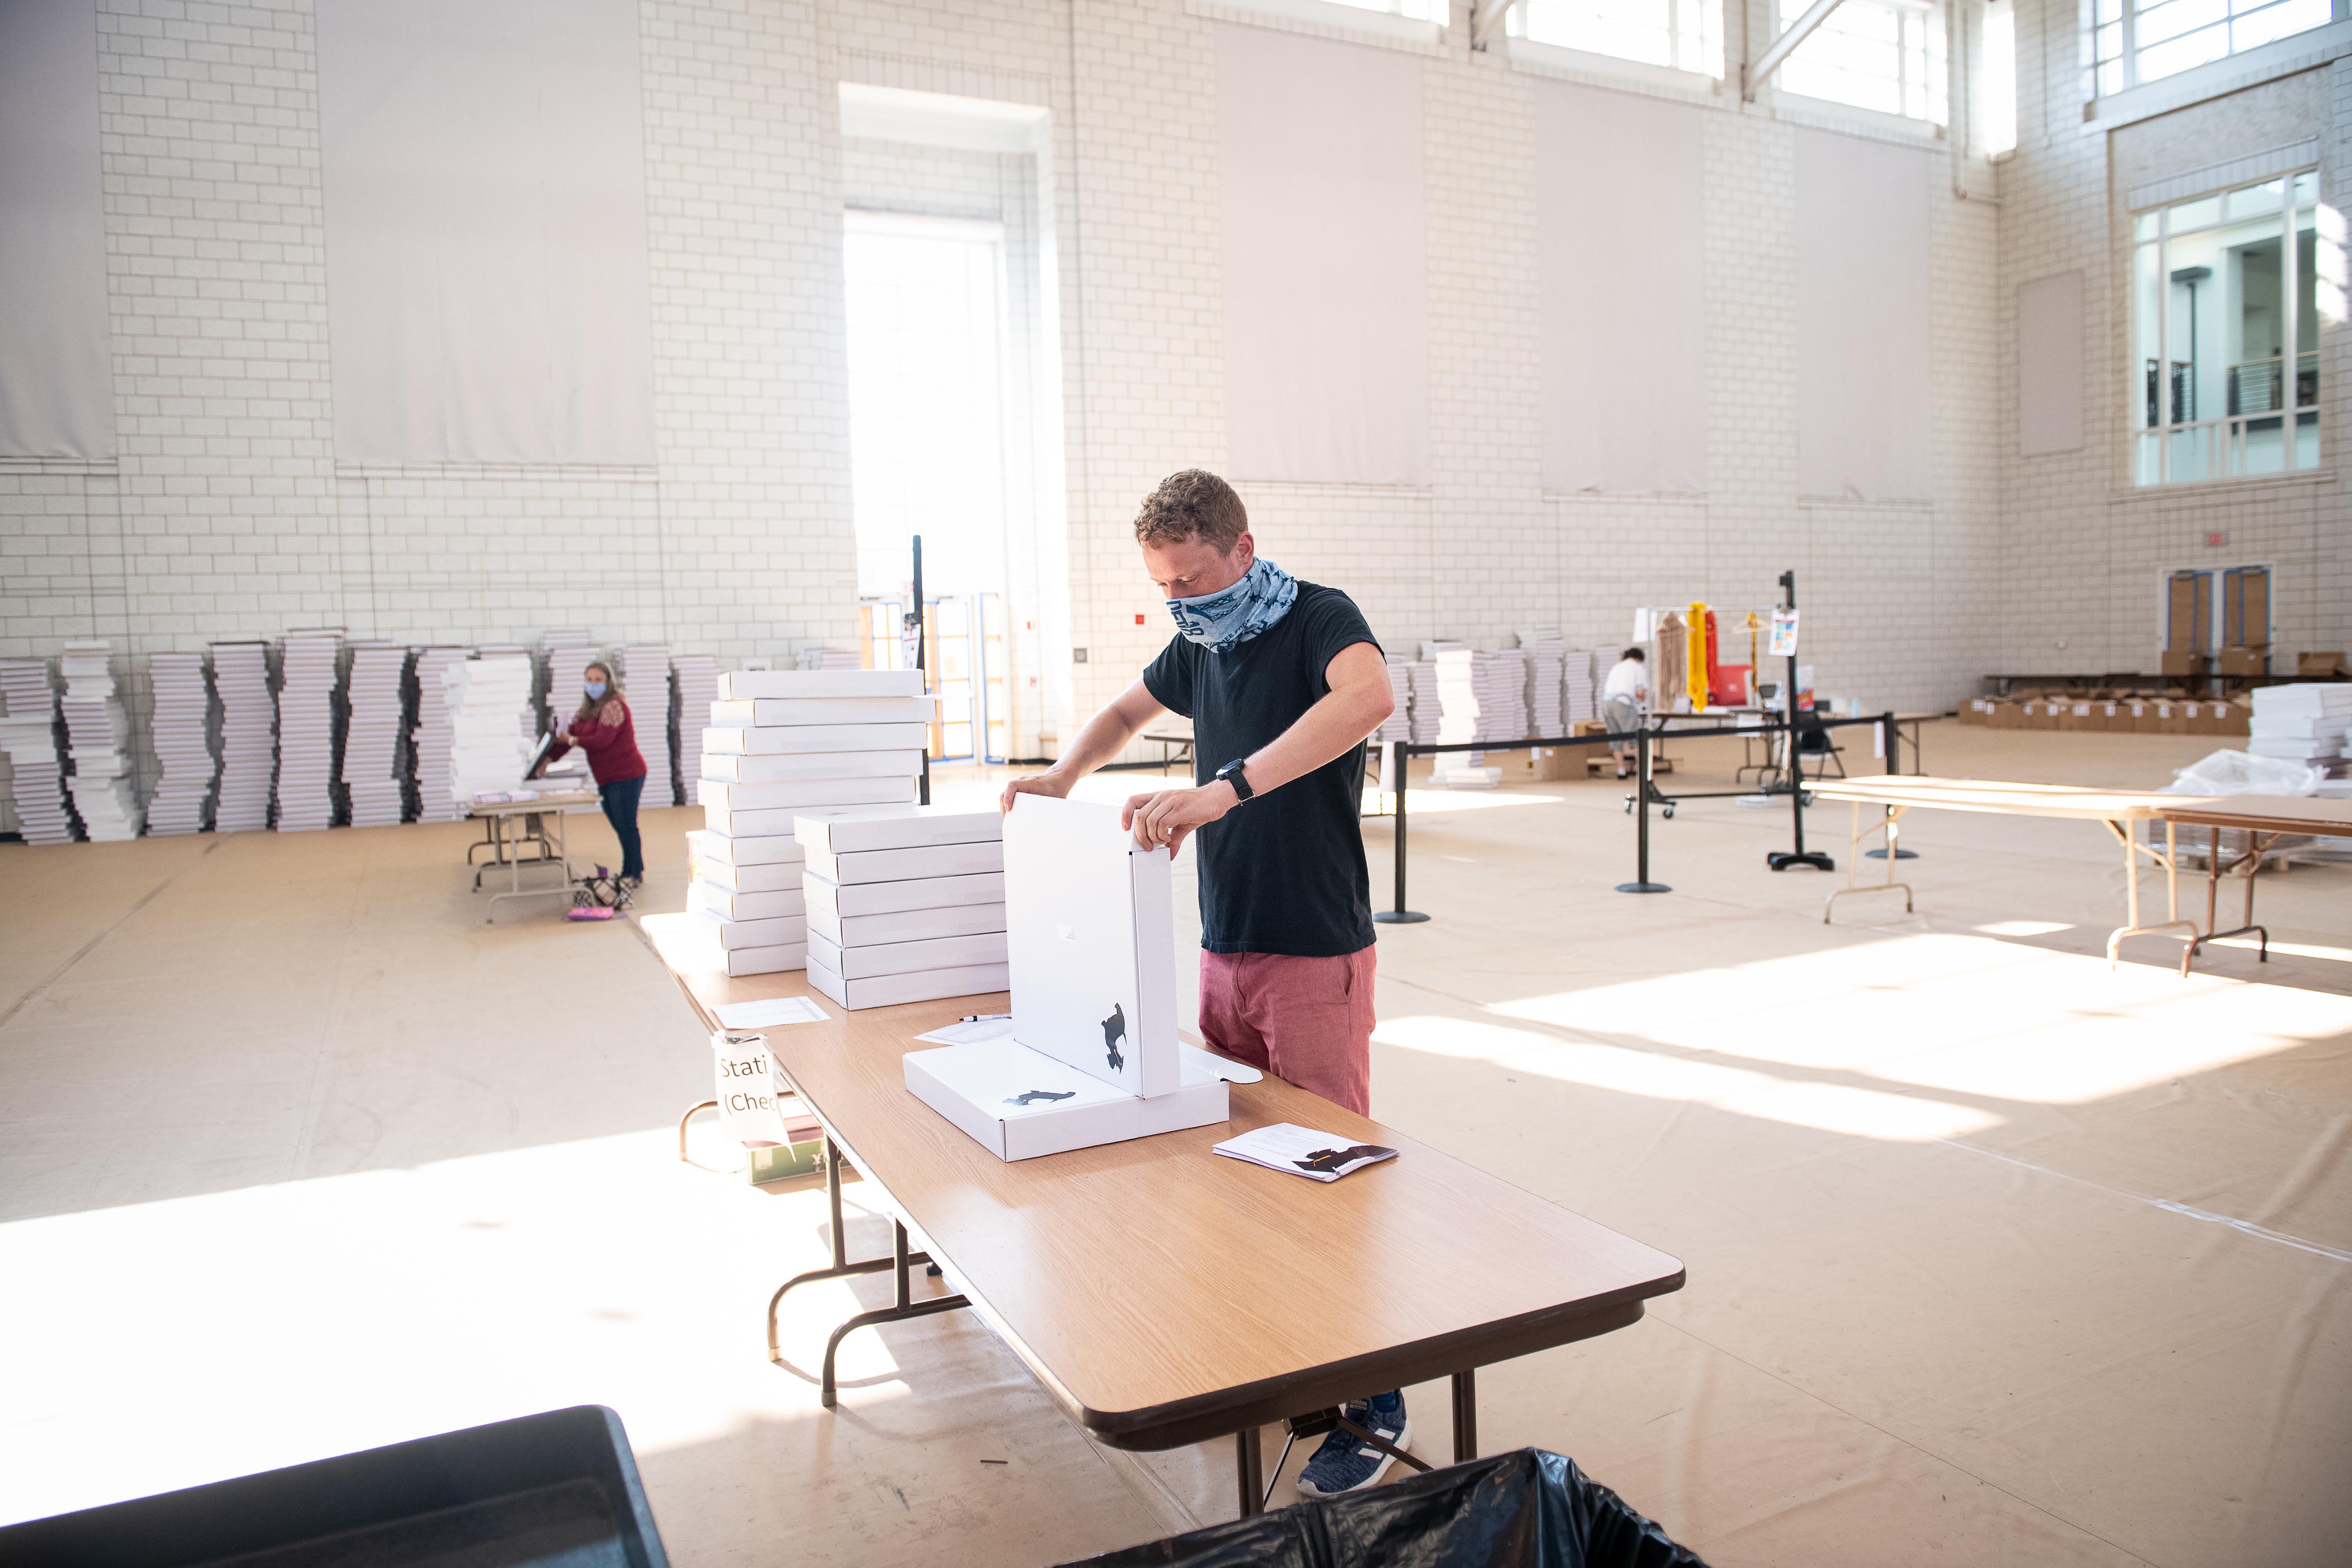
(594, 688)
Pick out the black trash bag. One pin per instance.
(1527, 1509)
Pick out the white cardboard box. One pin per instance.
(751, 849)
(751, 740)
(907, 865)
(734, 768)
(781, 712)
(906, 957)
(1093, 943)
(1019, 1103)
(756, 933)
(771, 959)
(920, 827)
(743, 684)
(778, 818)
(728, 903)
(889, 898)
(907, 925)
(770, 793)
(770, 878)
(924, 985)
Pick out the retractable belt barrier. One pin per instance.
(1645, 793)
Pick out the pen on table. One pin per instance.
(982, 1018)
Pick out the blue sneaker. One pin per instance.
(1346, 1463)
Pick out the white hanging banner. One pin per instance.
(747, 1091)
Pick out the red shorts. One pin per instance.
(1307, 1020)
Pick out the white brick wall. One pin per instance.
(2082, 552)
(226, 514)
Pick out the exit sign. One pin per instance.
(2215, 540)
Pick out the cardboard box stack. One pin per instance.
(249, 739)
(369, 765)
(907, 906)
(493, 726)
(783, 744)
(431, 726)
(2305, 723)
(695, 688)
(307, 664)
(645, 676)
(184, 742)
(1398, 725)
(1547, 658)
(28, 732)
(98, 737)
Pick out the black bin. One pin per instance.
(1527, 1509)
(558, 1489)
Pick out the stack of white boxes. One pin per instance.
(98, 737)
(249, 742)
(2305, 723)
(184, 742)
(1546, 661)
(645, 676)
(28, 732)
(306, 728)
(372, 792)
(432, 735)
(492, 723)
(1398, 725)
(905, 907)
(696, 687)
(784, 743)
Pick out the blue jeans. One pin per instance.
(620, 810)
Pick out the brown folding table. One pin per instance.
(2263, 819)
(1164, 1295)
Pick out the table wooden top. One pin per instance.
(2000, 797)
(1166, 1295)
(2322, 817)
(549, 801)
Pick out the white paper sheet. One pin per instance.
(772, 1013)
(1298, 1151)
(971, 1032)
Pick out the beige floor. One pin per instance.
(1995, 1256)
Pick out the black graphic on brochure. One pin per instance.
(1114, 1031)
(1032, 1096)
(1342, 1160)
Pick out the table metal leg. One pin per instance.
(2133, 849)
(2256, 844)
(1854, 858)
(1465, 1415)
(841, 1268)
(1249, 1465)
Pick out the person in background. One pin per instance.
(1282, 681)
(607, 731)
(1623, 695)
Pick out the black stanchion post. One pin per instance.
(1640, 882)
(1400, 916)
(1781, 859)
(1892, 739)
(922, 785)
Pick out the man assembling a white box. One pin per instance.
(1283, 681)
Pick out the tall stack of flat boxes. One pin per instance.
(785, 743)
(905, 907)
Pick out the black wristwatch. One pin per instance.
(1231, 774)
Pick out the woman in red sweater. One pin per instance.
(607, 731)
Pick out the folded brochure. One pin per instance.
(1303, 1152)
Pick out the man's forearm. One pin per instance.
(1337, 723)
(1106, 735)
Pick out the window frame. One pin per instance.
(1935, 82)
(2164, 431)
(1713, 15)
(2126, 58)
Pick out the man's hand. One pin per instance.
(1046, 783)
(1168, 816)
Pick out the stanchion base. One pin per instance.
(1781, 859)
(1399, 916)
(1642, 887)
(1899, 854)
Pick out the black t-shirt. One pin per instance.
(1283, 872)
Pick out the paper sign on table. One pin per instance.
(970, 1031)
(770, 1013)
(1303, 1152)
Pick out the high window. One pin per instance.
(2135, 41)
(1883, 55)
(2225, 330)
(1679, 35)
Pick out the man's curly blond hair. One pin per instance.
(1195, 504)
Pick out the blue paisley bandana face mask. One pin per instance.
(594, 688)
(1229, 617)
